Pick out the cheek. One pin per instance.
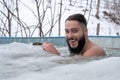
(79, 36)
(66, 37)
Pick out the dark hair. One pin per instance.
(78, 17)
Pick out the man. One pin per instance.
(76, 35)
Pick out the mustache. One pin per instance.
(71, 39)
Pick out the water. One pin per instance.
(19, 61)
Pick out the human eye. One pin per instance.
(66, 31)
(75, 31)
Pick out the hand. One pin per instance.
(49, 48)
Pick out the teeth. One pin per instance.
(72, 40)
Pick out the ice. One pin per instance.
(20, 61)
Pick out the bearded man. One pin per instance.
(76, 35)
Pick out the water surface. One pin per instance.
(19, 61)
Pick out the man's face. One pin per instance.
(74, 36)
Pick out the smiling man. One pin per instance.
(76, 34)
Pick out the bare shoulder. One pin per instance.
(95, 50)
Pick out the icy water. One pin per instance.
(19, 61)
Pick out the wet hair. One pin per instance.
(78, 17)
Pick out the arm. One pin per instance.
(50, 48)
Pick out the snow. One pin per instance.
(20, 61)
(107, 27)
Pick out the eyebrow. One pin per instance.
(71, 28)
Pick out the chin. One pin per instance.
(73, 46)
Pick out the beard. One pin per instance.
(78, 49)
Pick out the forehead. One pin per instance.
(72, 24)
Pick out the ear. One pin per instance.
(85, 31)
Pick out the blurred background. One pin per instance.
(41, 18)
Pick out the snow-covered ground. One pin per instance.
(107, 27)
(19, 61)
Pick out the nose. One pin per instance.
(69, 35)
